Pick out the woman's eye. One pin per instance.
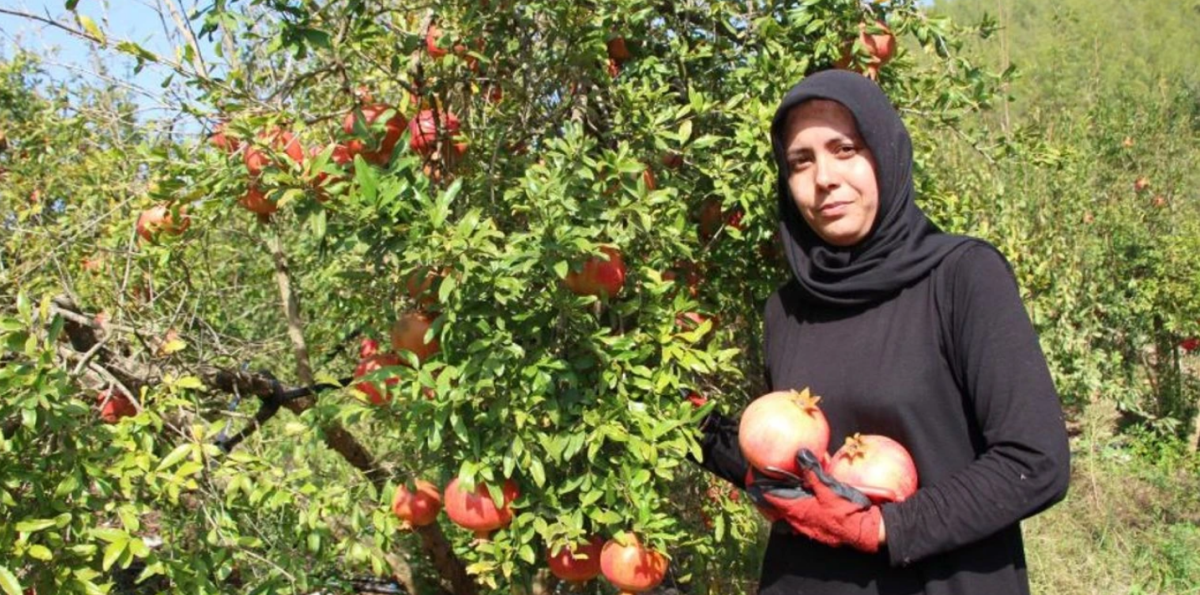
(847, 150)
(800, 163)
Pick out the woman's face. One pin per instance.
(831, 172)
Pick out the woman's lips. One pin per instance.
(834, 208)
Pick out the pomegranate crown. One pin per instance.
(854, 446)
(805, 400)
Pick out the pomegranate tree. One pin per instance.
(474, 510)
(631, 567)
(877, 466)
(419, 507)
(777, 425)
(577, 564)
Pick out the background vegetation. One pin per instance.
(1034, 123)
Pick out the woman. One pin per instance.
(903, 331)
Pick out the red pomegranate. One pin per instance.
(777, 425)
(419, 508)
(599, 276)
(432, 37)
(157, 219)
(712, 216)
(476, 511)
(370, 363)
(408, 334)
(279, 140)
(877, 466)
(617, 50)
(881, 46)
(577, 565)
(222, 140)
(632, 568)
(419, 286)
(1190, 344)
(424, 130)
(114, 405)
(257, 202)
(393, 128)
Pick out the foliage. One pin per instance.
(576, 398)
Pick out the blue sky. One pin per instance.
(67, 57)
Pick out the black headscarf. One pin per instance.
(902, 246)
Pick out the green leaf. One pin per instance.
(176, 455)
(90, 26)
(8, 582)
(685, 131)
(34, 526)
(40, 552)
(110, 535)
(70, 5)
(112, 552)
(561, 268)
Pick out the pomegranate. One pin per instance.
(691, 277)
(257, 202)
(1190, 344)
(476, 511)
(278, 140)
(672, 160)
(157, 219)
(419, 286)
(613, 68)
(432, 37)
(881, 47)
(1141, 183)
(114, 405)
(393, 128)
(599, 276)
(577, 564)
(339, 155)
(617, 50)
(424, 130)
(690, 321)
(877, 466)
(222, 140)
(370, 363)
(419, 508)
(408, 334)
(711, 216)
(632, 568)
(777, 425)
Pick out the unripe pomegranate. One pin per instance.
(475, 510)
(579, 565)
(776, 426)
(632, 568)
(877, 466)
(417, 508)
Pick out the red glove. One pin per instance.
(819, 506)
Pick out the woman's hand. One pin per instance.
(819, 506)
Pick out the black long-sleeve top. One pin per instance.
(951, 368)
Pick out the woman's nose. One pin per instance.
(826, 173)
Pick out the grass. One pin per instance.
(1130, 523)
